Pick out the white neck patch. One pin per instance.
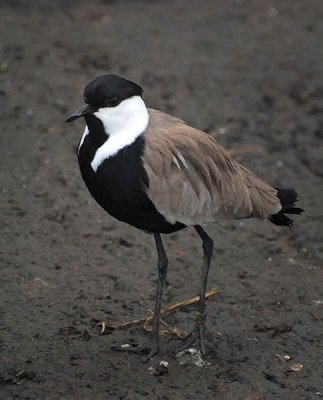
(86, 132)
(123, 124)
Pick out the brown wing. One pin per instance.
(193, 180)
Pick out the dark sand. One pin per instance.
(248, 72)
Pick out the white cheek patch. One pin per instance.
(123, 124)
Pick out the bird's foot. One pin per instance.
(196, 334)
(138, 349)
(153, 352)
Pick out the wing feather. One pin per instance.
(193, 180)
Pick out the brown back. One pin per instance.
(193, 180)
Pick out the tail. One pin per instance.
(288, 198)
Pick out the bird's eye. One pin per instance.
(113, 102)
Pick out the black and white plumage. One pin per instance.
(158, 174)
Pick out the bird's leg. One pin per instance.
(198, 331)
(162, 272)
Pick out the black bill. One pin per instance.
(86, 110)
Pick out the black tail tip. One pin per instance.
(280, 219)
(288, 198)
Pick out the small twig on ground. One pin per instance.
(148, 319)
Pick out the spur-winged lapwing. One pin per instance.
(158, 174)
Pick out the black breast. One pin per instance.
(119, 185)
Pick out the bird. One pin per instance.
(156, 173)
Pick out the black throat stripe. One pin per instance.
(120, 182)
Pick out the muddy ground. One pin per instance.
(247, 72)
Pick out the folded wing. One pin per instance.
(193, 180)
